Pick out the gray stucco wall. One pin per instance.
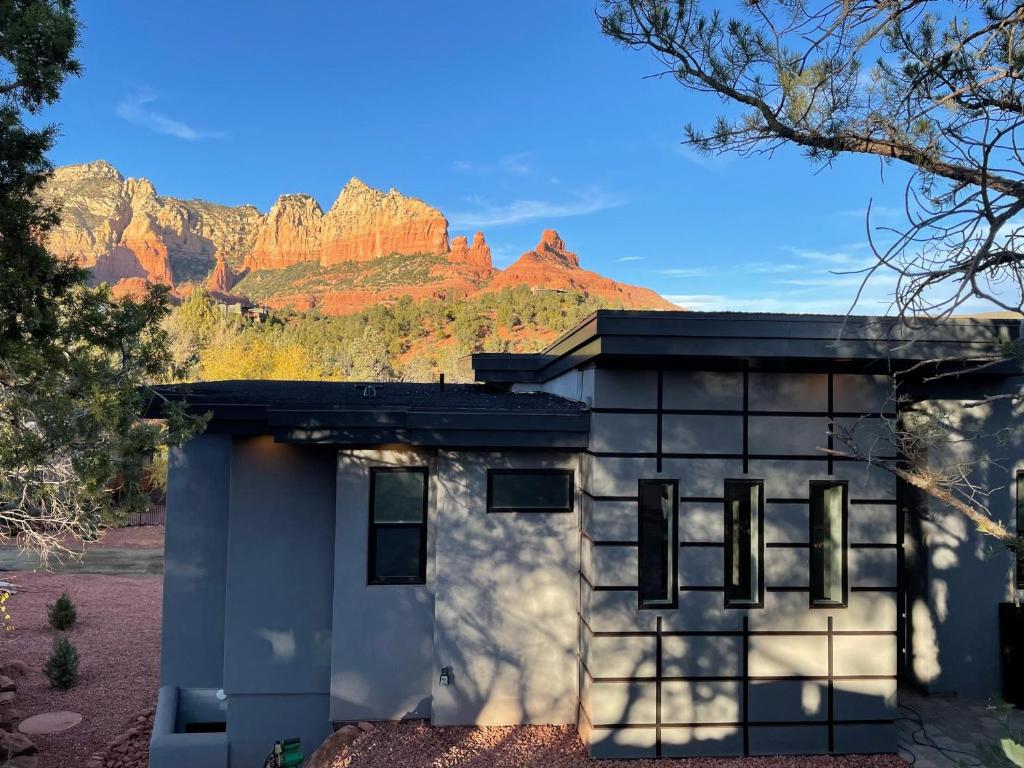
(719, 691)
(383, 645)
(961, 576)
(198, 487)
(279, 596)
(506, 600)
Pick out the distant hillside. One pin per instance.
(371, 247)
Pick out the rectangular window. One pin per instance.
(1020, 528)
(829, 505)
(398, 526)
(659, 541)
(529, 490)
(744, 543)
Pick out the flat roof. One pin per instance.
(368, 414)
(638, 337)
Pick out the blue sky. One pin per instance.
(510, 117)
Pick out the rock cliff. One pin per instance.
(365, 223)
(371, 246)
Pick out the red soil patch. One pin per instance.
(118, 641)
(133, 537)
(417, 745)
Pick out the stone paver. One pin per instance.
(49, 722)
(945, 731)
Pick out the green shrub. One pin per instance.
(62, 614)
(62, 667)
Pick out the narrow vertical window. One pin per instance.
(398, 526)
(659, 540)
(1020, 528)
(828, 543)
(744, 543)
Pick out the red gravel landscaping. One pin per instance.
(417, 745)
(118, 641)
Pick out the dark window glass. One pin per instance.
(744, 543)
(398, 526)
(658, 544)
(533, 490)
(828, 543)
(1020, 528)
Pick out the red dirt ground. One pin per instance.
(134, 537)
(416, 745)
(118, 641)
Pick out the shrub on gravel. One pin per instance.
(62, 614)
(62, 667)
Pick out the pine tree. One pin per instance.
(62, 667)
(62, 614)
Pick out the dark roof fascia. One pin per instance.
(765, 337)
(397, 425)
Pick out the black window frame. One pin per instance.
(673, 547)
(730, 599)
(520, 471)
(815, 554)
(1019, 478)
(371, 555)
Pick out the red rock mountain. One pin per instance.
(371, 246)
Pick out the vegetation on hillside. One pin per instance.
(309, 277)
(405, 340)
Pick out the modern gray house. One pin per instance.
(635, 531)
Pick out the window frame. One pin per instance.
(493, 472)
(730, 601)
(371, 550)
(811, 600)
(673, 547)
(1019, 516)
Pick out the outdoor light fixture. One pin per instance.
(446, 676)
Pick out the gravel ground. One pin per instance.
(417, 745)
(118, 641)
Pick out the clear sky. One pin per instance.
(509, 117)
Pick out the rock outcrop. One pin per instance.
(551, 266)
(365, 223)
(476, 255)
(131, 236)
(221, 279)
(288, 234)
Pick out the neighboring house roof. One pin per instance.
(632, 338)
(364, 414)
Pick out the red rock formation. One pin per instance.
(288, 234)
(221, 279)
(551, 266)
(365, 223)
(139, 253)
(477, 255)
(552, 246)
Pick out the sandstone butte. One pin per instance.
(369, 247)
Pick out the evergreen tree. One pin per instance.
(61, 669)
(72, 358)
(62, 614)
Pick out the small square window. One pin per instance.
(529, 490)
(398, 526)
